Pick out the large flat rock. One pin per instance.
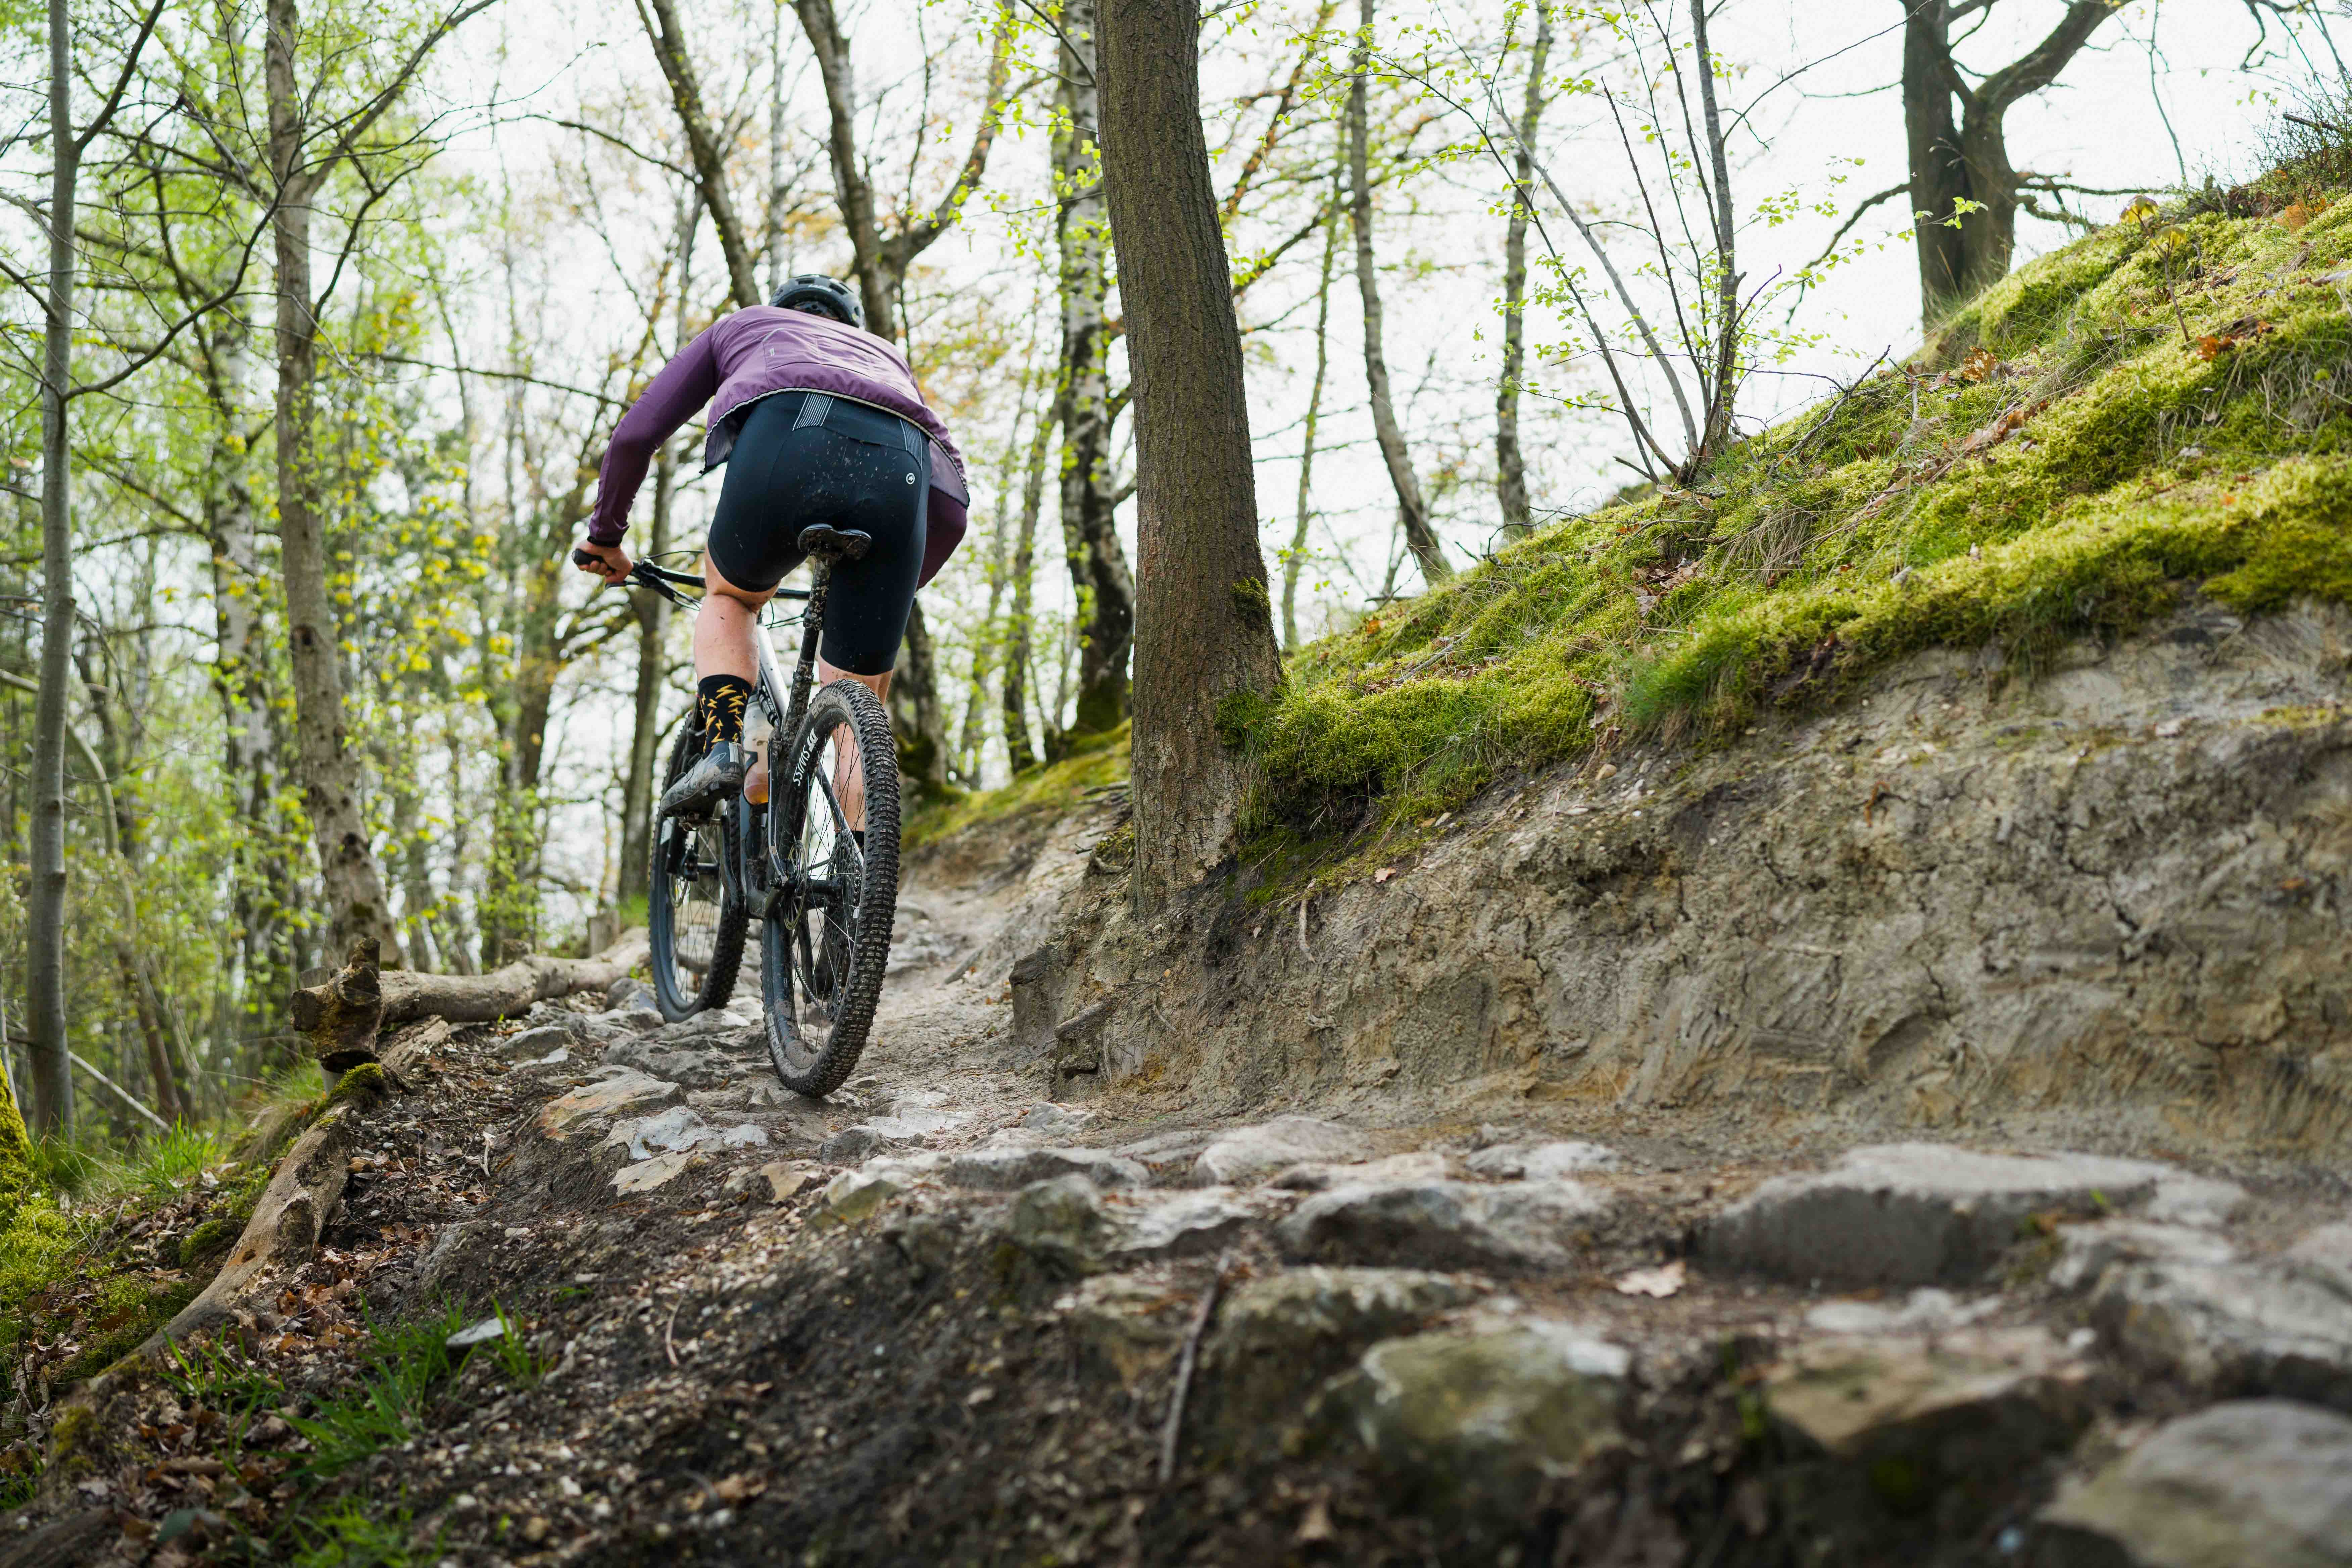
(1471, 1423)
(1068, 1224)
(1281, 1335)
(2254, 1484)
(1948, 1411)
(623, 1092)
(2281, 1325)
(1005, 1170)
(1443, 1225)
(1916, 1213)
(1247, 1153)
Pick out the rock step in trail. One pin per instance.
(1479, 1344)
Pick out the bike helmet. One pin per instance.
(821, 296)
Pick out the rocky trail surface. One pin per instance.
(978, 1307)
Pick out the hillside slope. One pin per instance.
(2166, 403)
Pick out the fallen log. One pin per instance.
(342, 1014)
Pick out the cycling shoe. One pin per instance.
(716, 774)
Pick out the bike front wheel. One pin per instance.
(695, 917)
(826, 938)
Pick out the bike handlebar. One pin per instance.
(663, 581)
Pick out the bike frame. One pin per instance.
(763, 880)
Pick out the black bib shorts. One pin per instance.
(803, 458)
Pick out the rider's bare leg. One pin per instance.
(848, 777)
(723, 645)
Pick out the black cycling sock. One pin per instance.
(719, 700)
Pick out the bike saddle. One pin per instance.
(830, 543)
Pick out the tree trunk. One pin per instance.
(356, 906)
(710, 159)
(1510, 465)
(15, 1149)
(852, 191)
(1722, 383)
(914, 694)
(1098, 570)
(1939, 179)
(1411, 507)
(1204, 631)
(1294, 558)
(644, 732)
(1020, 644)
(1967, 159)
(652, 612)
(53, 1109)
(882, 261)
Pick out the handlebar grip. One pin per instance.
(581, 558)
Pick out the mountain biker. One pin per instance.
(817, 421)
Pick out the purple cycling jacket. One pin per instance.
(746, 356)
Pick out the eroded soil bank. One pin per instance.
(1914, 1134)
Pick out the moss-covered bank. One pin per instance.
(2166, 404)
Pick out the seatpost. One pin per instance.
(804, 671)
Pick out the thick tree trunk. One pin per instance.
(1412, 508)
(356, 906)
(53, 1109)
(1020, 644)
(1098, 570)
(1510, 464)
(1939, 179)
(1294, 560)
(1966, 158)
(1204, 630)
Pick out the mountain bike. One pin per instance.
(825, 893)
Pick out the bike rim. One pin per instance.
(693, 890)
(818, 941)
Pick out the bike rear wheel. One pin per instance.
(695, 917)
(825, 940)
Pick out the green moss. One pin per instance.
(1095, 761)
(208, 1240)
(16, 1151)
(363, 1086)
(2165, 408)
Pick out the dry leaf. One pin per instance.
(1979, 365)
(1317, 1526)
(1664, 1280)
(1384, 874)
(2294, 216)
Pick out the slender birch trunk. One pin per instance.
(1098, 569)
(1510, 465)
(1019, 653)
(52, 1085)
(1295, 558)
(1411, 507)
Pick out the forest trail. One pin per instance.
(943, 1318)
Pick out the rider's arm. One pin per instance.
(685, 384)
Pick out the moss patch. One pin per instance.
(1095, 762)
(2165, 404)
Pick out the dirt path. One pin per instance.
(940, 1319)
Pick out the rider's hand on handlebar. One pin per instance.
(609, 562)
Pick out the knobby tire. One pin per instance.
(734, 918)
(814, 1048)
